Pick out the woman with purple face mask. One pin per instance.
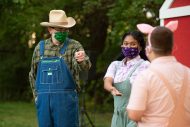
(121, 74)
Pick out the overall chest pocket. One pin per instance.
(51, 74)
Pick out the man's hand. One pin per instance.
(79, 56)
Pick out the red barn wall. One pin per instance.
(182, 34)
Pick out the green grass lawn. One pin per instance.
(21, 114)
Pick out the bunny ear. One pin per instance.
(172, 25)
(145, 28)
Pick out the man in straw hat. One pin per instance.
(160, 95)
(54, 75)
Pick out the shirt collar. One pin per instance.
(164, 59)
(132, 61)
(52, 45)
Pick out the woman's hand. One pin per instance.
(115, 92)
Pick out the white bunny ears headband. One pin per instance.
(147, 29)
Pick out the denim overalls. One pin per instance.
(57, 99)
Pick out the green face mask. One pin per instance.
(61, 36)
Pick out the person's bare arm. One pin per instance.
(108, 85)
(135, 115)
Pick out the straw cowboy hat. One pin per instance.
(58, 18)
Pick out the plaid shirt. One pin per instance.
(53, 50)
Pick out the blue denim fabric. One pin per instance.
(57, 99)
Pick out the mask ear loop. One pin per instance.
(148, 48)
(149, 44)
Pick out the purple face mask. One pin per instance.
(130, 52)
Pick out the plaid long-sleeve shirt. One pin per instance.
(53, 50)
